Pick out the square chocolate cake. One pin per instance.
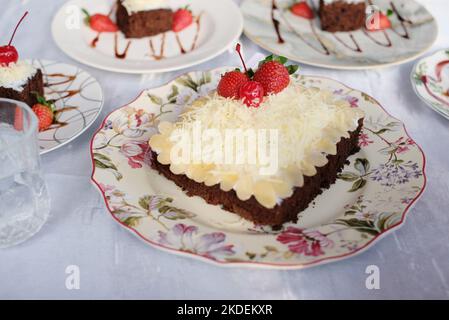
(342, 15)
(316, 133)
(140, 18)
(20, 81)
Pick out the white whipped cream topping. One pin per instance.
(133, 6)
(310, 123)
(16, 75)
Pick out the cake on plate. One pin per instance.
(144, 18)
(19, 80)
(342, 15)
(314, 133)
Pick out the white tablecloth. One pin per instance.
(413, 262)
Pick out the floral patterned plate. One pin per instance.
(430, 80)
(370, 199)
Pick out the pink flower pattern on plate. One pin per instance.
(135, 152)
(309, 243)
(364, 140)
(186, 238)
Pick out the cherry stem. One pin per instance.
(238, 49)
(17, 26)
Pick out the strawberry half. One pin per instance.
(302, 9)
(44, 111)
(182, 18)
(384, 22)
(100, 22)
(230, 84)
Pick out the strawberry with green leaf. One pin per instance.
(99, 22)
(45, 112)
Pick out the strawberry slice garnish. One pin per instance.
(99, 22)
(302, 9)
(45, 112)
(182, 18)
(384, 22)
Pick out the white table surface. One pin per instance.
(413, 262)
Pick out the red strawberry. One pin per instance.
(182, 18)
(230, 84)
(384, 23)
(45, 116)
(302, 9)
(44, 111)
(100, 22)
(252, 93)
(273, 76)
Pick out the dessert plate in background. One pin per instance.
(371, 198)
(413, 32)
(430, 80)
(78, 98)
(219, 26)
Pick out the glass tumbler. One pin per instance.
(24, 201)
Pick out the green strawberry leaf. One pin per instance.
(250, 73)
(292, 69)
(41, 100)
(389, 12)
(87, 18)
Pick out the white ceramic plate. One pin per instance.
(220, 26)
(370, 199)
(305, 42)
(78, 99)
(430, 80)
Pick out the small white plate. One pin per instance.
(305, 42)
(220, 25)
(371, 198)
(430, 80)
(78, 99)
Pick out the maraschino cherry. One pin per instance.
(8, 53)
(251, 92)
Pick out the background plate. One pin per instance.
(305, 41)
(216, 35)
(430, 80)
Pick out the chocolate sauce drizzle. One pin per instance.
(276, 22)
(119, 55)
(356, 47)
(94, 42)
(63, 94)
(68, 79)
(161, 50)
(153, 53)
(404, 22)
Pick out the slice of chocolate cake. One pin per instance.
(19, 81)
(342, 15)
(251, 209)
(143, 18)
